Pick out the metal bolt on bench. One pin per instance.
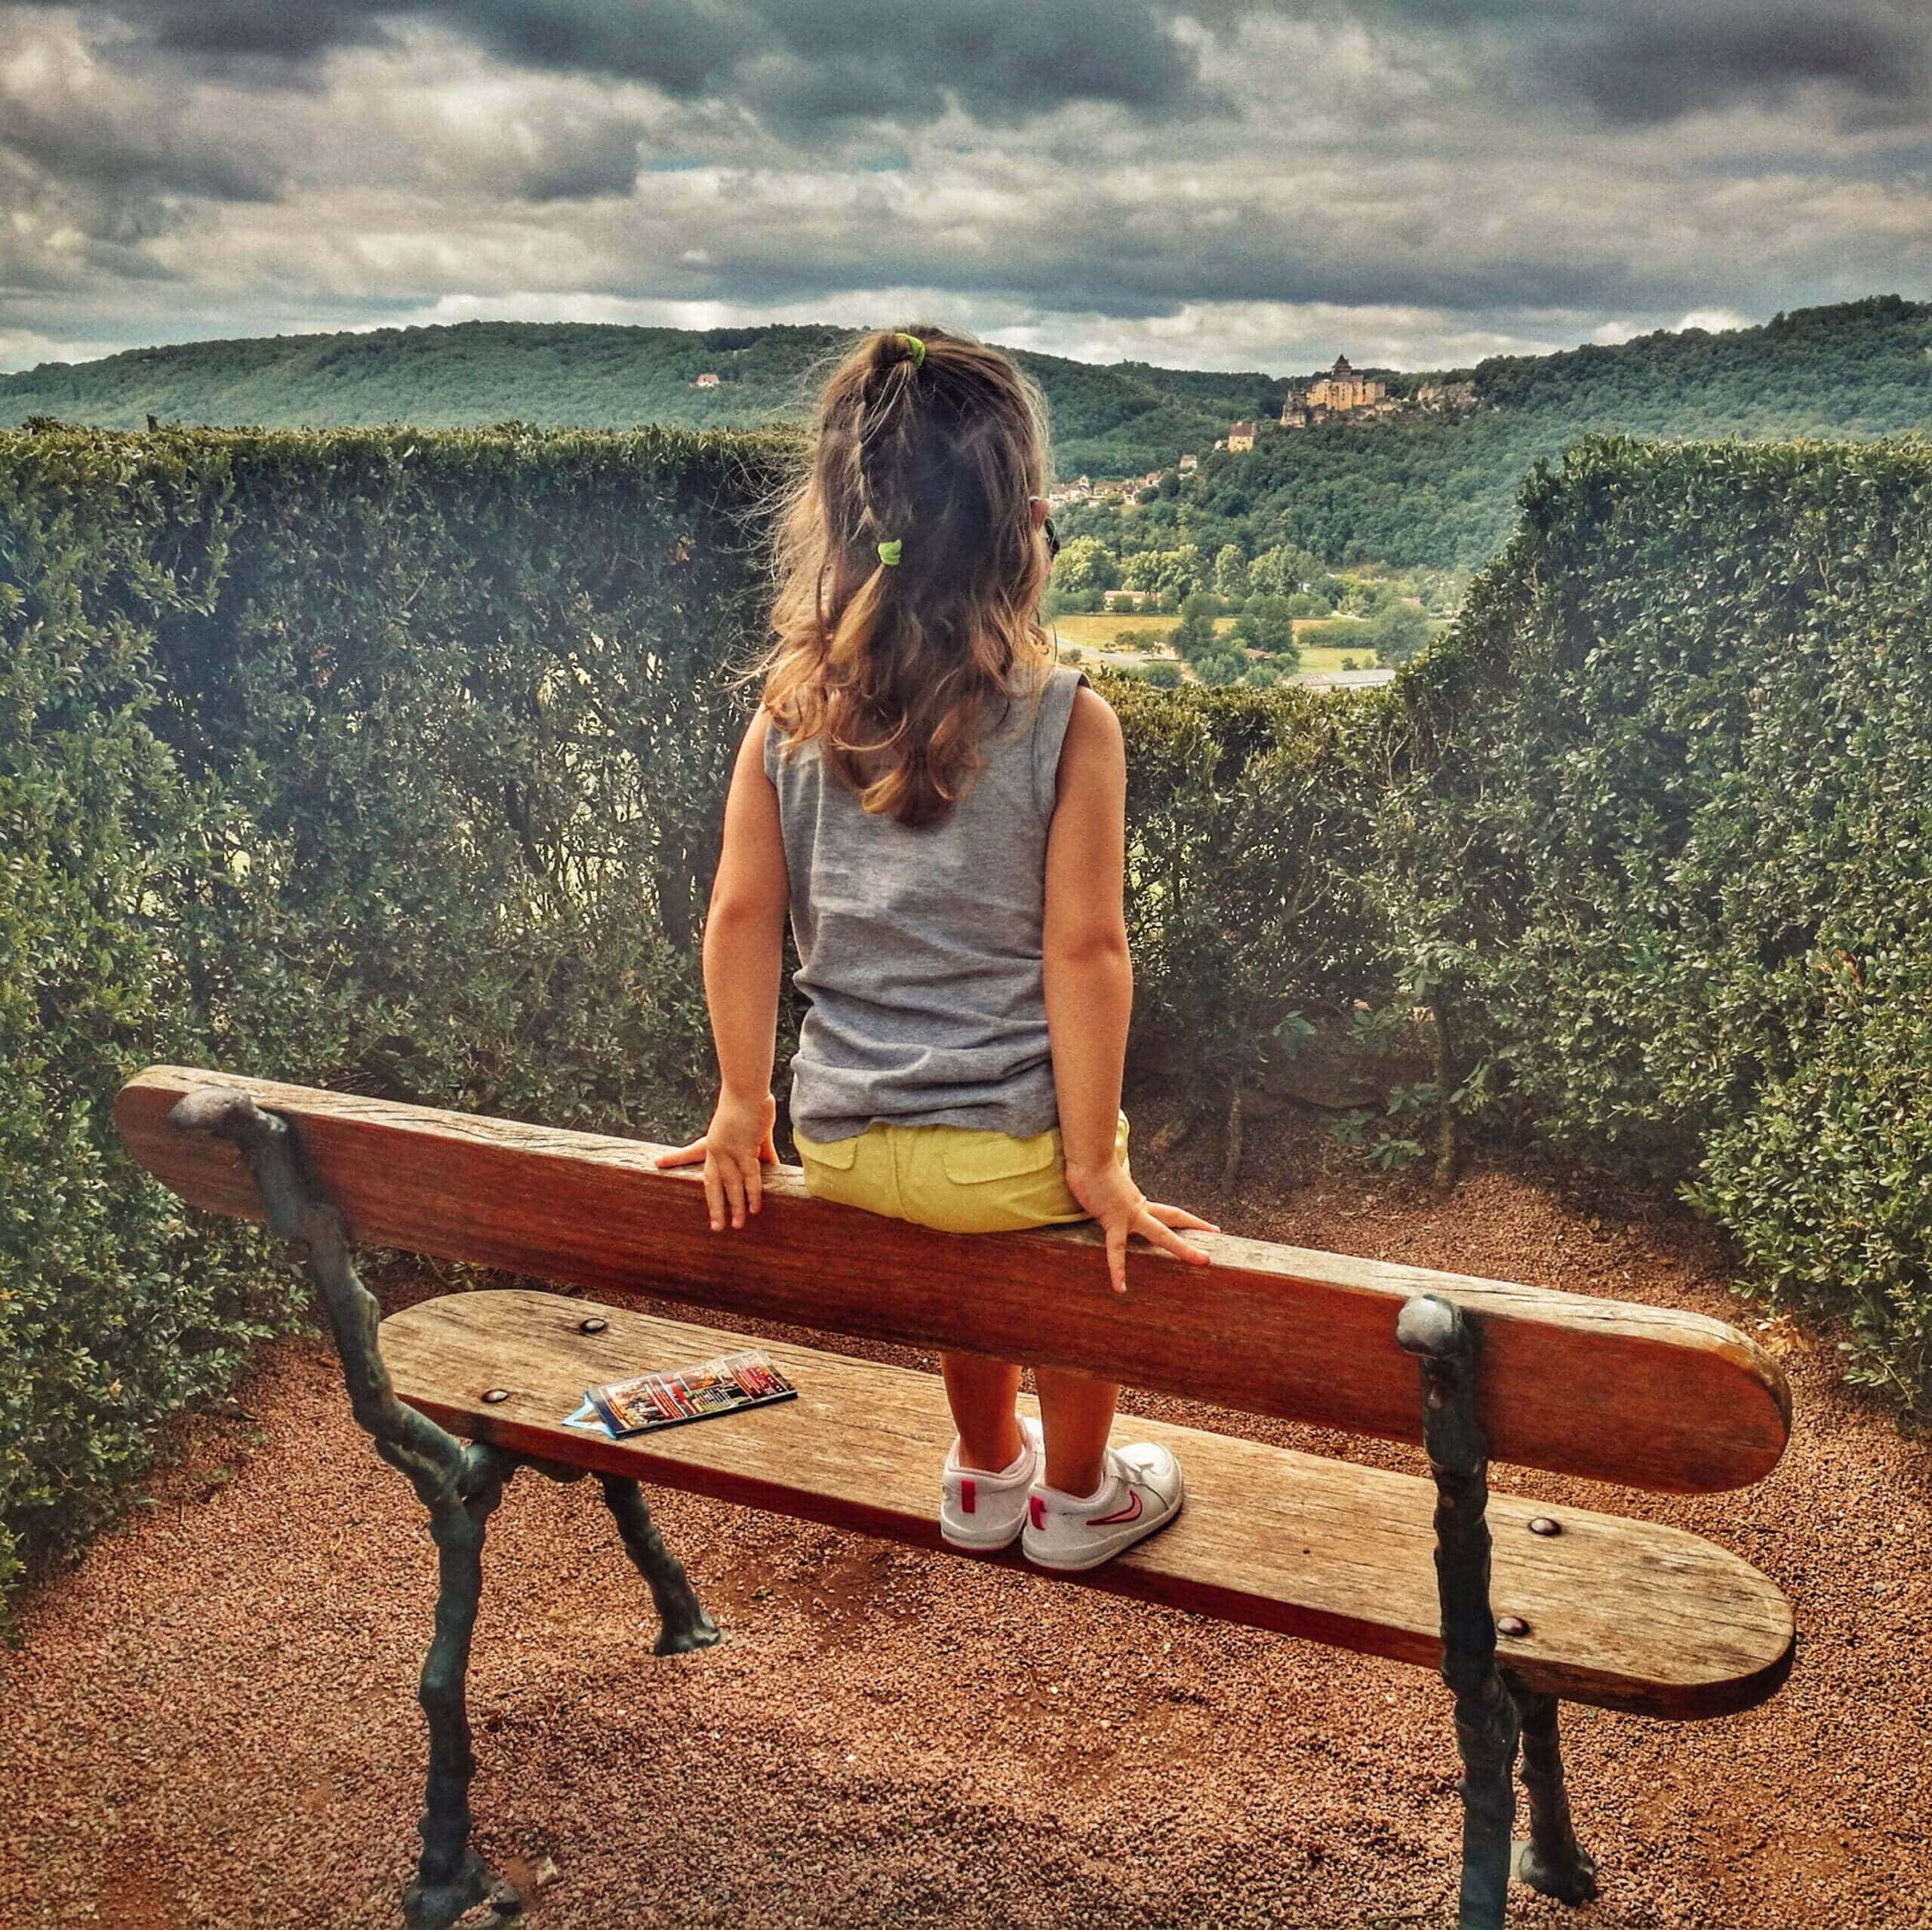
(458, 1484)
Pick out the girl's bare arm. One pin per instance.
(1089, 983)
(744, 940)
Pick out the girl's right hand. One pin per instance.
(1122, 1208)
(736, 1146)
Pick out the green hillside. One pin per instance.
(1122, 420)
(1443, 493)
(1432, 491)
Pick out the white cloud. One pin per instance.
(1713, 322)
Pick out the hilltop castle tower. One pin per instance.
(1342, 389)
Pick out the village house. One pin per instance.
(1241, 436)
(1128, 599)
(707, 380)
(1188, 465)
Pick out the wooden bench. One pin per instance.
(1518, 1606)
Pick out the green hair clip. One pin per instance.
(889, 552)
(914, 348)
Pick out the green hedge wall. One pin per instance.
(387, 761)
(1665, 829)
(392, 761)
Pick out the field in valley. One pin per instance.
(1099, 636)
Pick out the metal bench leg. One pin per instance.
(450, 1878)
(1552, 1861)
(683, 1624)
(459, 1485)
(1486, 1725)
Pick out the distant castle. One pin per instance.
(1342, 392)
(1342, 389)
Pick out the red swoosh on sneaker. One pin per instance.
(1120, 1516)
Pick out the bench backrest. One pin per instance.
(1640, 1395)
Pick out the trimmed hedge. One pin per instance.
(392, 761)
(385, 761)
(1667, 831)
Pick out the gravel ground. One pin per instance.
(210, 1720)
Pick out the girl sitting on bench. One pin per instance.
(942, 811)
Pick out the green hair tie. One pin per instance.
(889, 552)
(914, 348)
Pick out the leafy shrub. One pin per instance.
(1266, 624)
(1665, 842)
(383, 762)
(1248, 825)
(392, 761)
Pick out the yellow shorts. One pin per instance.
(954, 1178)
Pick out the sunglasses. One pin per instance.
(1048, 530)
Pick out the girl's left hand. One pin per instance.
(735, 1145)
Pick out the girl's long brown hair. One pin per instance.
(895, 669)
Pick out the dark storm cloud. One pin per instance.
(579, 163)
(1639, 62)
(127, 164)
(1654, 69)
(1096, 261)
(799, 62)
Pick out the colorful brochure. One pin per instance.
(723, 1386)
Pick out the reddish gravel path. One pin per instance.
(210, 1722)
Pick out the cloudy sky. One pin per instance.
(1217, 183)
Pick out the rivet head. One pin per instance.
(1515, 1626)
(494, 1395)
(592, 1326)
(1542, 1525)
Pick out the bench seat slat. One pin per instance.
(1625, 1614)
(1644, 1395)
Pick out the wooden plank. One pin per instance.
(1625, 1614)
(1644, 1396)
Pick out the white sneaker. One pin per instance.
(977, 1510)
(1143, 1491)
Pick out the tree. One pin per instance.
(1058, 602)
(1193, 637)
(1399, 632)
(1231, 572)
(1266, 624)
(1084, 564)
(1282, 570)
(1172, 572)
(1163, 675)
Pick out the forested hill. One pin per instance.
(1444, 493)
(1428, 490)
(1116, 421)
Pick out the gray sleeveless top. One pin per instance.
(919, 948)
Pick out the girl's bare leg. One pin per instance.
(1077, 1412)
(981, 1393)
